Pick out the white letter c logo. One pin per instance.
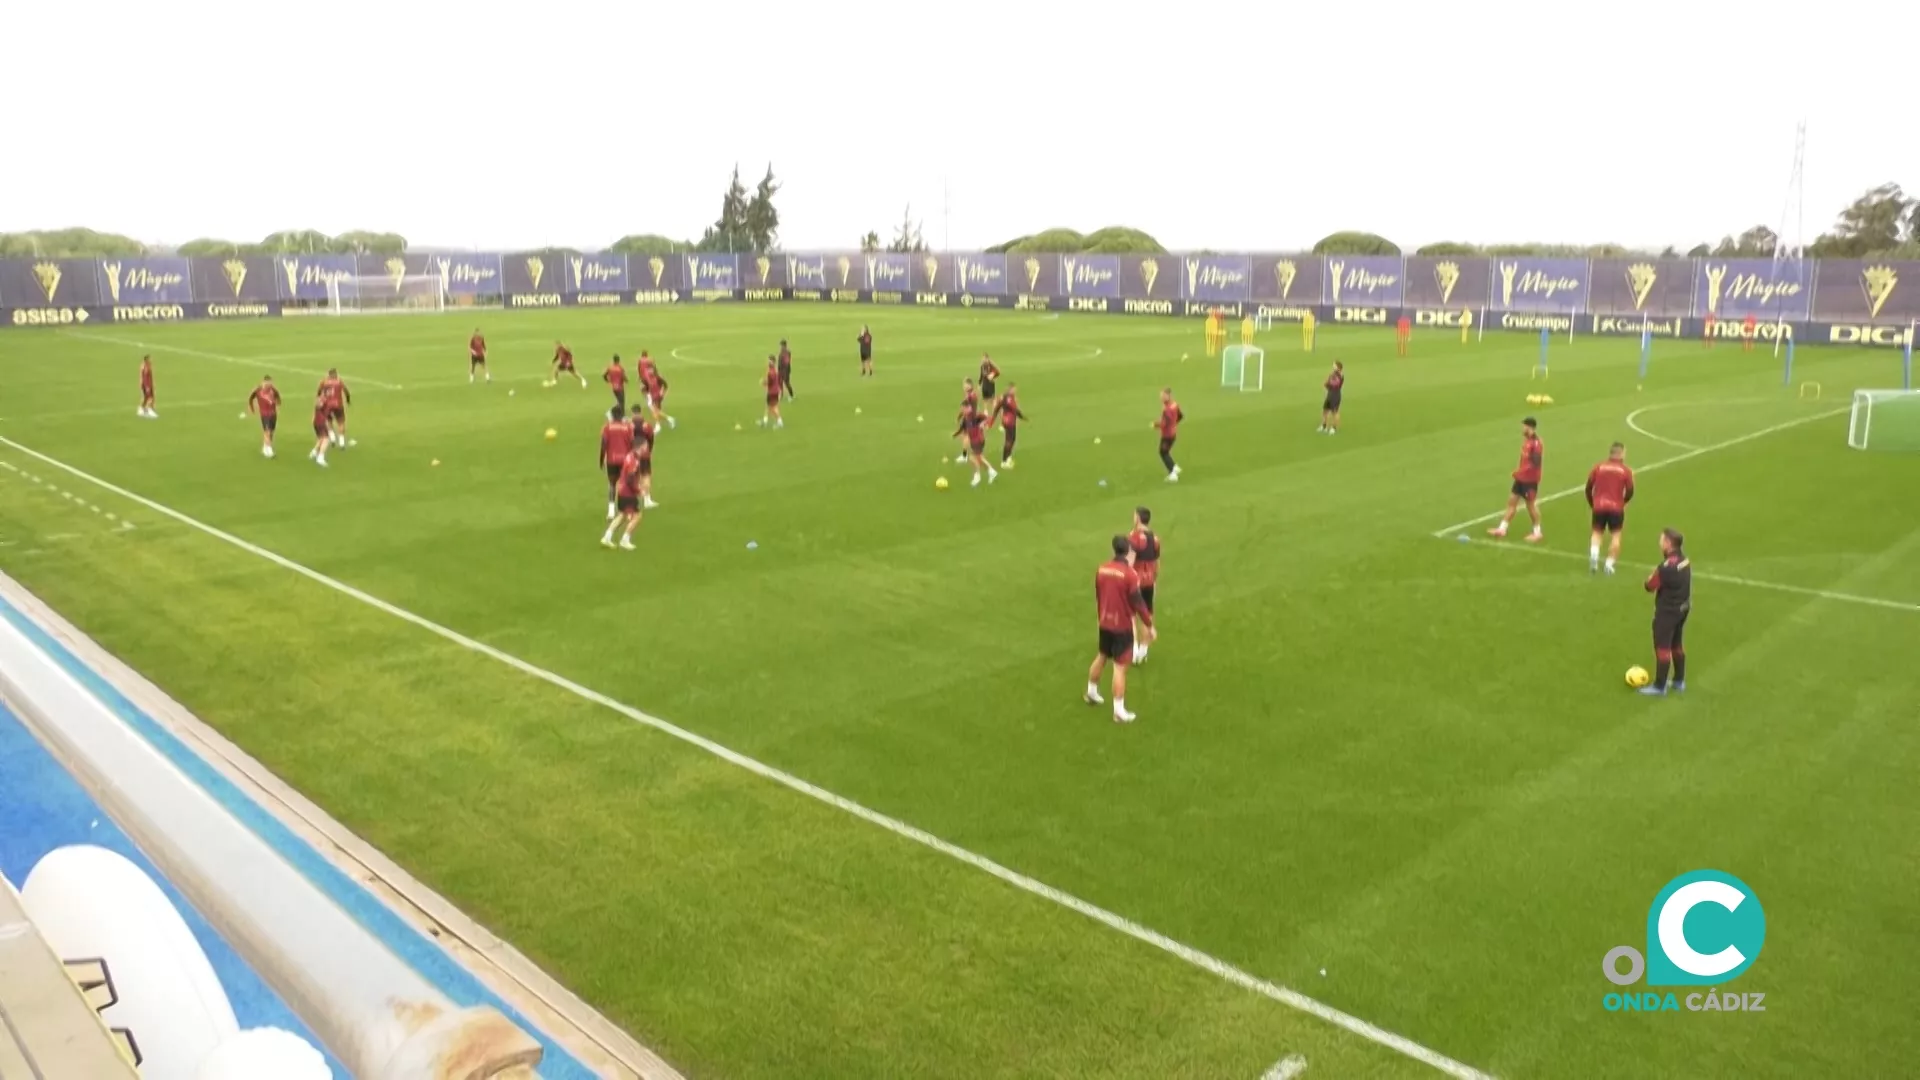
(1673, 936)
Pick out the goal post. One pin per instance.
(379, 294)
(1243, 367)
(1884, 420)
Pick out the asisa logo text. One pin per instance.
(1705, 929)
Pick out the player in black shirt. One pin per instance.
(1671, 584)
(866, 352)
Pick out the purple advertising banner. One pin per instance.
(847, 271)
(598, 272)
(388, 273)
(235, 279)
(1762, 288)
(163, 280)
(468, 275)
(1867, 292)
(1288, 280)
(889, 271)
(1150, 277)
(534, 273)
(766, 273)
(1531, 283)
(932, 273)
(1645, 287)
(1090, 275)
(809, 271)
(306, 277)
(1035, 274)
(1447, 281)
(653, 273)
(712, 271)
(1216, 277)
(1365, 280)
(48, 282)
(983, 274)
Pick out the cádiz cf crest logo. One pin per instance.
(1193, 275)
(1508, 271)
(48, 275)
(846, 267)
(113, 280)
(658, 266)
(536, 269)
(1446, 275)
(1033, 272)
(397, 272)
(579, 268)
(291, 267)
(1336, 268)
(1878, 282)
(765, 266)
(1149, 273)
(1640, 279)
(1284, 272)
(236, 271)
(932, 266)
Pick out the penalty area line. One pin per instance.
(1212, 965)
(1661, 464)
(1727, 579)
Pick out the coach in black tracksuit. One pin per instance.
(1671, 584)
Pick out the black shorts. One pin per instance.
(627, 504)
(986, 388)
(268, 421)
(646, 466)
(476, 361)
(1609, 520)
(620, 397)
(337, 414)
(1668, 629)
(613, 474)
(321, 430)
(866, 355)
(1146, 595)
(1166, 445)
(1524, 490)
(1117, 645)
(977, 447)
(1332, 404)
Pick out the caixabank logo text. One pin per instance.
(1705, 929)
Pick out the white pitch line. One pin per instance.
(1212, 965)
(1286, 1068)
(1661, 464)
(1651, 435)
(238, 360)
(1725, 579)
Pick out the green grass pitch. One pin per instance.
(1395, 773)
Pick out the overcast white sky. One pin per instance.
(1239, 124)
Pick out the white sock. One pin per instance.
(1119, 706)
(1609, 562)
(1093, 691)
(1536, 530)
(1593, 554)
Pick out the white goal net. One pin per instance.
(1884, 420)
(1243, 367)
(368, 294)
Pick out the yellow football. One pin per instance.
(552, 434)
(940, 484)
(1637, 677)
